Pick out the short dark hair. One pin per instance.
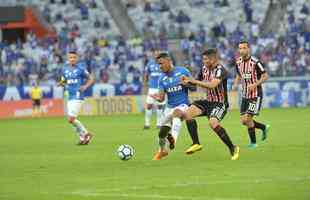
(244, 41)
(154, 49)
(163, 55)
(72, 52)
(210, 52)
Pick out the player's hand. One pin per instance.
(83, 88)
(155, 96)
(185, 80)
(61, 83)
(252, 87)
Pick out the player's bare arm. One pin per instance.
(236, 82)
(187, 84)
(89, 82)
(211, 84)
(159, 96)
(262, 79)
(145, 78)
(145, 83)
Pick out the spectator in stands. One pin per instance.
(106, 23)
(93, 4)
(163, 6)
(129, 87)
(84, 11)
(224, 3)
(182, 17)
(172, 30)
(248, 10)
(97, 23)
(147, 7)
(305, 9)
(171, 16)
(102, 49)
(104, 76)
(216, 30)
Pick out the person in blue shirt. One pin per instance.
(170, 85)
(76, 79)
(151, 77)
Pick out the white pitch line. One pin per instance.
(107, 192)
(156, 196)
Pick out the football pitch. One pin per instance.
(40, 161)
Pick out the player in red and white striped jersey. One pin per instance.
(213, 78)
(251, 73)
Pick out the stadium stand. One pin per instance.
(88, 27)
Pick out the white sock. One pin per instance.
(176, 127)
(80, 128)
(162, 143)
(148, 115)
(76, 129)
(160, 114)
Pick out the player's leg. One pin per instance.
(162, 141)
(34, 109)
(192, 112)
(216, 112)
(247, 120)
(167, 121)
(222, 134)
(148, 116)
(160, 114)
(246, 111)
(192, 128)
(74, 107)
(264, 128)
(177, 116)
(150, 104)
(39, 109)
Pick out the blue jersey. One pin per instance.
(170, 83)
(153, 72)
(75, 77)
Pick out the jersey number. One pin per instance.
(217, 112)
(252, 107)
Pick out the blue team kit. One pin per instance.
(75, 77)
(170, 83)
(153, 71)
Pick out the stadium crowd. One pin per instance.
(116, 61)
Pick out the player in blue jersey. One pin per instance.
(151, 76)
(170, 85)
(76, 80)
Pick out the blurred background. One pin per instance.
(114, 39)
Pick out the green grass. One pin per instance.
(40, 161)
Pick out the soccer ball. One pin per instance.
(125, 152)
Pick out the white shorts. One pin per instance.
(74, 107)
(151, 100)
(169, 111)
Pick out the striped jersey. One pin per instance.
(250, 72)
(219, 93)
